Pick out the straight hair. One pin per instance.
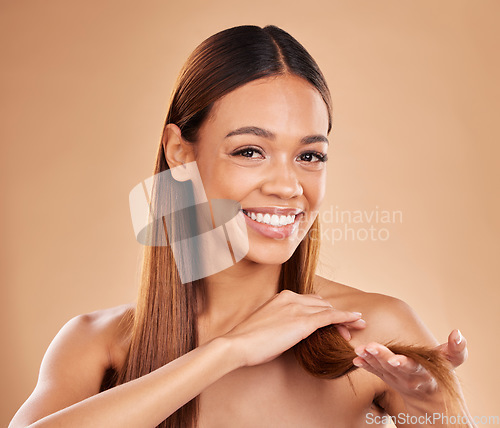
(163, 326)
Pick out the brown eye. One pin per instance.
(313, 157)
(247, 152)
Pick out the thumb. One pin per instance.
(456, 348)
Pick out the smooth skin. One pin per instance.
(243, 370)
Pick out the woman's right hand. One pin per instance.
(282, 322)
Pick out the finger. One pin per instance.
(317, 300)
(347, 317)
(402, 367)
(343, 331)
(457, 348)
(288, 296)
(333, 316)
(392, 368)
(358, 324)
(369, 354)
(443, 348)
(315, 296)
(384, 360)
(364, 364)
(409, 367)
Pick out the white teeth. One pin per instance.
(273, 220)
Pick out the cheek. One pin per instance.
(314, 190)
(211, 171)
(224, 180)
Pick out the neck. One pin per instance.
(233, 294)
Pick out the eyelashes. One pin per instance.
(248, 152)
(322, 157)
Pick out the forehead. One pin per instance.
(286, 105)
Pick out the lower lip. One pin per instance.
(275, 232)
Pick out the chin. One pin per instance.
(273, 253)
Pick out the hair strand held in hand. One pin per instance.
(326, 354)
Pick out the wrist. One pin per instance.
(426, 404)
(229, 352)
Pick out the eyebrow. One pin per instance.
(264, 133)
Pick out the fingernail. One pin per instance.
(357, 313)
(393, 362)
(361, 354)
(459, 337)
(372, 351)
(358, 363)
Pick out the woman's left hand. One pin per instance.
(455, 350)
(404, 374)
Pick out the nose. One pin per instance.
(282, 181)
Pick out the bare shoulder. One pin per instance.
(90, 336)
(387, 318)
(105, 320)
(113, 326)
(74, 364)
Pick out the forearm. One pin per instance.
(150, 399)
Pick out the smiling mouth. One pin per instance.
(274, 220)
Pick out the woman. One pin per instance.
(252, 111)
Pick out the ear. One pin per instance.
(178, 152)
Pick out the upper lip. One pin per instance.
(274, 210)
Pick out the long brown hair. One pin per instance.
(164, 325)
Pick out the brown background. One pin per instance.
(84, 91)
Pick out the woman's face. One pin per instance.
(262, 146)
